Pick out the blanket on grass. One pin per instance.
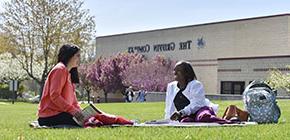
(35, 124)
(193, 124)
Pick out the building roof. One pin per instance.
(211, 23)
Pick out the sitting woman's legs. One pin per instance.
(59, 119)
(204, 114)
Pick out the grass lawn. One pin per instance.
(14, 119)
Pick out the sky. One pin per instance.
(125, 16)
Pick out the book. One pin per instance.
(86, 113)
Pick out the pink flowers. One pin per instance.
(153, 74)
(128, 69)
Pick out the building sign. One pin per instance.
(163, 47)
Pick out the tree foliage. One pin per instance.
(37, 28)
(152, 75)
(278, 79)
(4, 44)
(10, 69)
(127, 69)
(106, 71)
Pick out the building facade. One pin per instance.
(225, 55)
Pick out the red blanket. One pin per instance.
(106, 119)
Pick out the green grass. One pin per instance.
(14, 119)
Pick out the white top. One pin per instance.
(194, 92)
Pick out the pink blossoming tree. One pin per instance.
(104, 73)
(152, 75)
(127, 69)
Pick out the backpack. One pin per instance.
(260, 102)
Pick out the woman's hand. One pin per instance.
(175, 116)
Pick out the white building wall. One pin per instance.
(268, 36)
(251, 69)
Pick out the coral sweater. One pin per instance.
(58, 93)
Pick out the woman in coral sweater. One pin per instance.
(58, 103)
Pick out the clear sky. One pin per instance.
(124, 16)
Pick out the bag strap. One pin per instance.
(258, 83)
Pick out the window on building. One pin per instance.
(232, 87)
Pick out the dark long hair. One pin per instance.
(66, 52)
(187, 70)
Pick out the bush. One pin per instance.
(4, 91)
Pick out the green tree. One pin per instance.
(10, 69)
(4, 43)
(37, 28)
(278, 79)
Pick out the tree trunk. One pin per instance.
(106, 96)
(88, 92)
(41, 85)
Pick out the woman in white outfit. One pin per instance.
(185, 98)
